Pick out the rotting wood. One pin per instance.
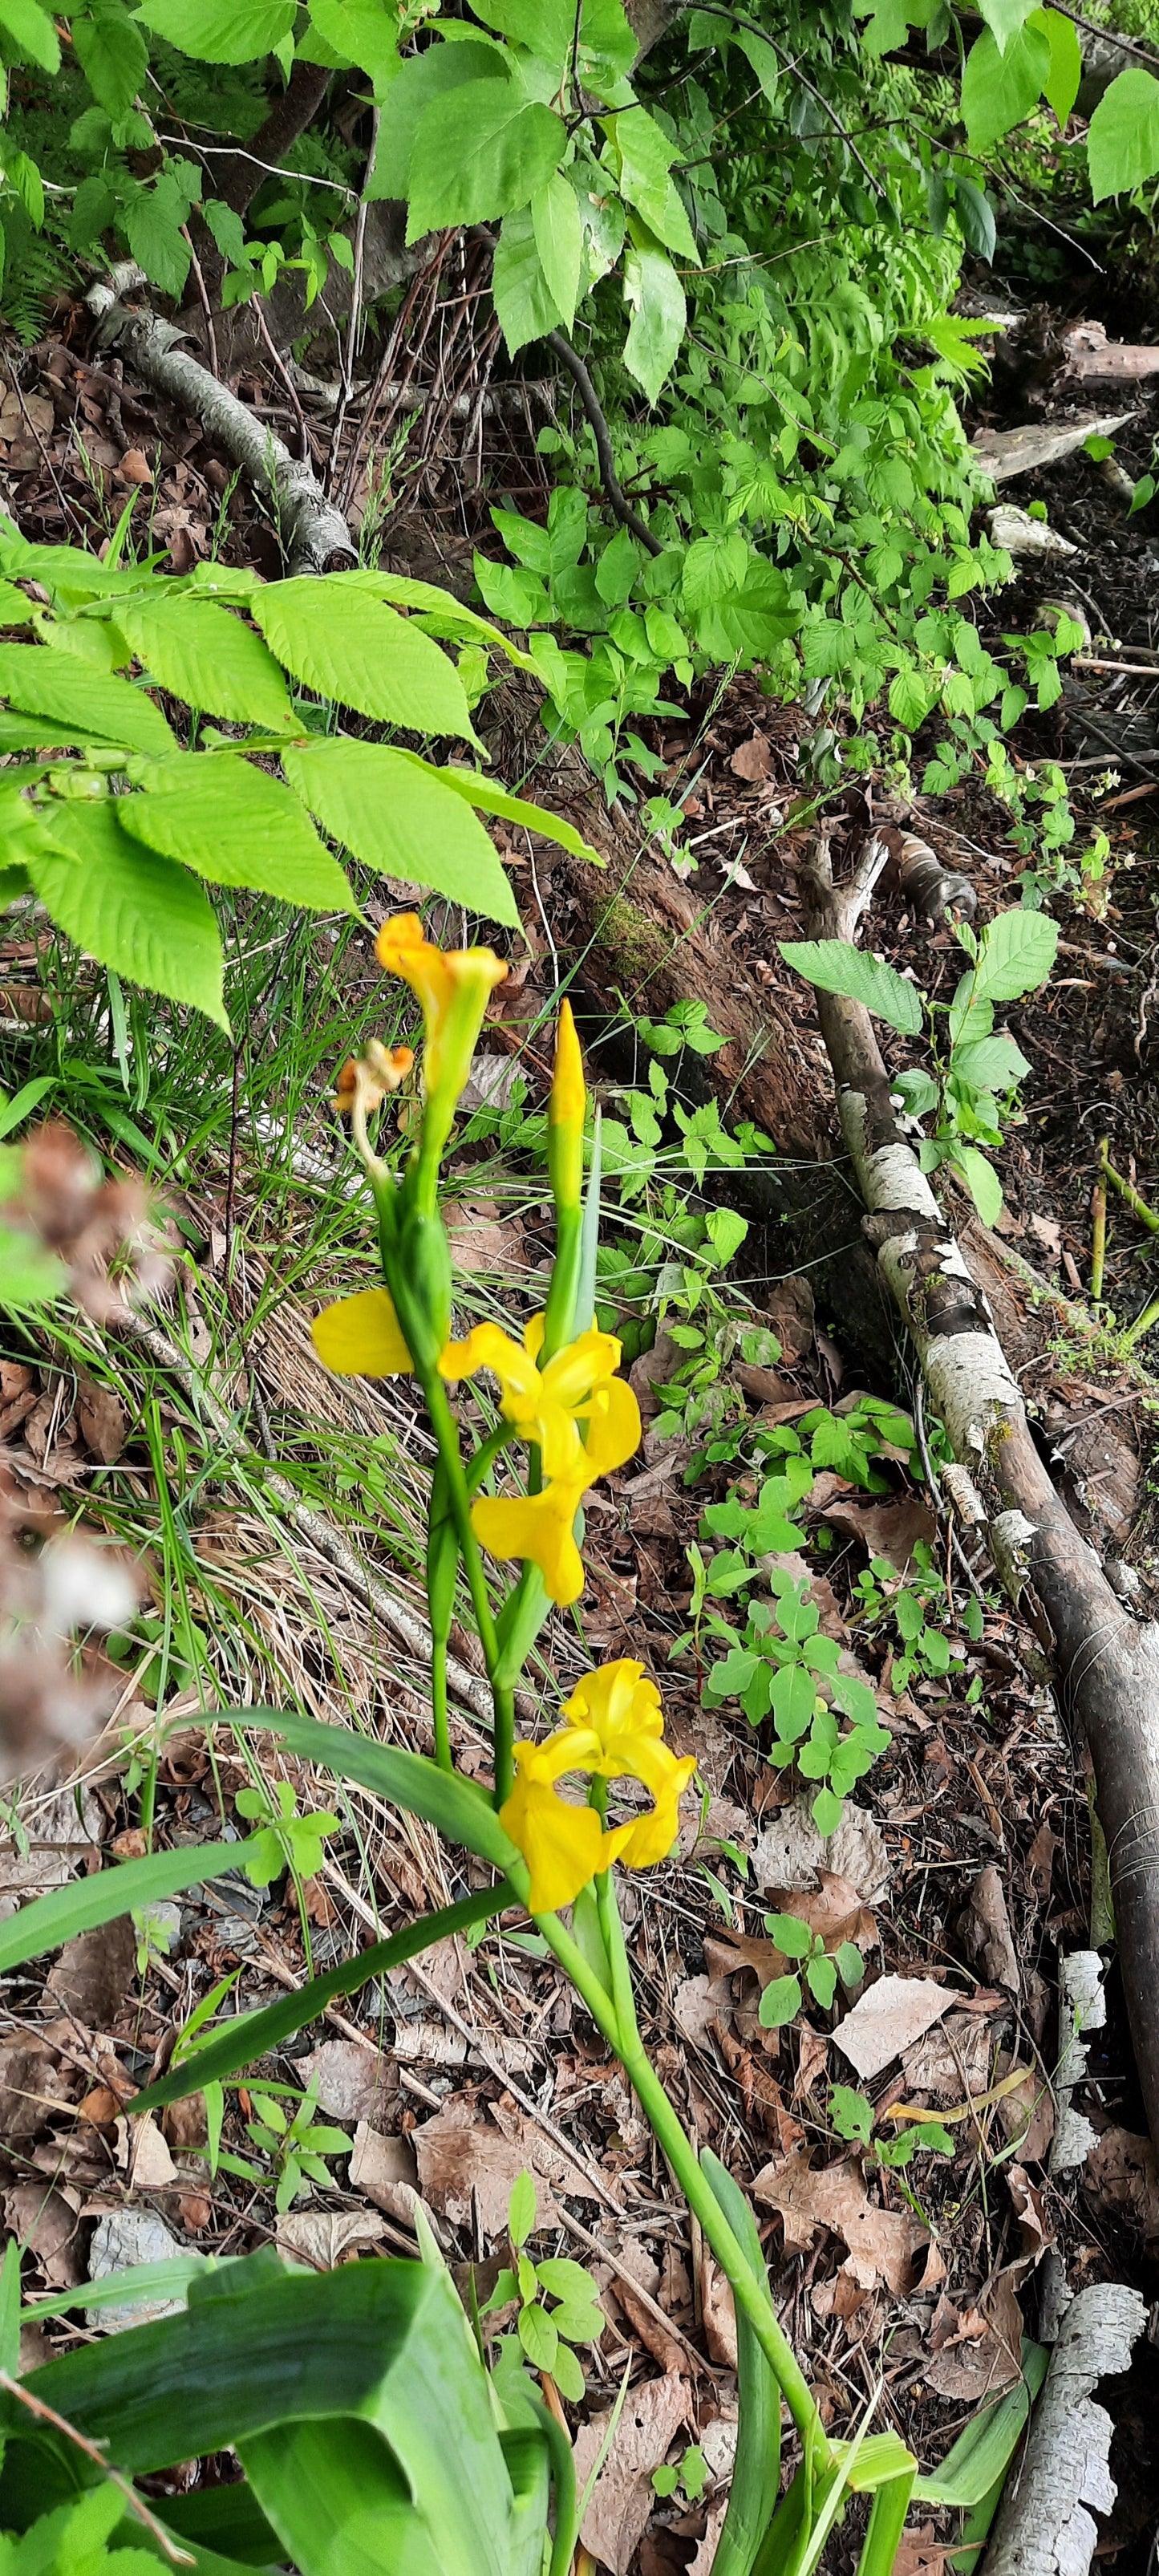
(1106, 1663)
(312, 531)
(1044, 2526)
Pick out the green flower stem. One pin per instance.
(502, 1692)
(439, 1703)
(654, 2102)
(559, 1313)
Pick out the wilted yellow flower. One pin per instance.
(613, 1730)
(366, 1079)
(547, 1405)
(453, 986)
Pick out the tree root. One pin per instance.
(313, 534)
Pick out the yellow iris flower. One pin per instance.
(613, 1729)
(547, 1405)
(452, 986)
(362, 1337)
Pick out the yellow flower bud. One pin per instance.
(565, 1115)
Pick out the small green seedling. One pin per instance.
(296, 2145)
(547, 2332)
(690, 2474)
(852, 2115)
(782, 1999)
(286, 1840)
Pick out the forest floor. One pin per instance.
(961, 1869)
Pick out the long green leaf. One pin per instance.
(982, 2454)
(396, 812)
(249, 2036)
(168, 2280)
(460, 1810)
(886, 2524)
(757, 2472)
(91, 1901)
(835, 966)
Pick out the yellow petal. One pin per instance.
(613, 1427)
(652, 1839)
(616, 1699)
(562, 1844)
(540, 1529)
(581, 1365)
(361, 1337)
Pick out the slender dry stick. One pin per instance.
(1099, 1234)
(94, 2451)
(1138, 1206)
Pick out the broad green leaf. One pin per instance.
(1017, 952)
(1123, 142)
(246, 2037)
(522, 2208)
(15, 608)
(982, 1180)
(408, 1780)
(659, 317)
(756, 2470)
(395, 813)
(606, 45)
(32, 32)
(41, 681)
(555, 218)
(148, 920)
(153, 221)
(780, 2002)
(440, 613)
(362, 33)
(166, 2280)
(112, 54)
(642, 157)
(205, 656)
(990, 1064)
(36, 733)
(421, 79)
(338, 2498)
(479, 151)
(237, 826)
(88, 1902)
(1066, 61)
(220, 31)
(516, 809)
(523, 299)
(359, 654)
(1000, 89)
(837, 967)
(1004, 18)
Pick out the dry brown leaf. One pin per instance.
(951, 2061)
(833, 1910)
(465, 2165)
(888, 2017)
(483, 1238)
(32, 2080)
(60, 1842)
(892, 1530)
(622, 2498)
(146, 2155)
(1047, 1235)
(386, 2171)
(43, 2220)
(94, 1974)
(812, 2058)
(791, 1311)
(353, 2083)
(717, 2314)
(1034, 2226)
(185, 2124)
(699, 2003)
(986, 1934)
(102, 1419)
(1027, 2115)
(1040, 1863)
(986, 2353)
(921, 2553)
(791, 1853)
(1122, 2172)
(541, 2152)
(633, 2266)
(753, 759)
(134, 467)
(882, 2242)
(324, 2238)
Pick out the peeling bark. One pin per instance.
(314, 534)
(1044, 2527)
(1107, 1665)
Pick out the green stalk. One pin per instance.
(681, 2155)
(439, 1704)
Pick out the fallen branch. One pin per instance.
(1043, 2526)
(313, 533)
(617, 499)
(1107, 1665)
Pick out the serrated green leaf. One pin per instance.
(421, 79)
(360, 654)
(837, 967)
(1005, 17)
(643, 157)
(32, 32)
(112, 53)
(479, 151)
(1123, 142)
(41, 681)
(516, 809)
(555, 218)
(655, 295)
(441, 613)
(1017, 953)
(1066, 61)
(982, 1181)
(147, 919)
(220, 31)
(524, 303)
(237, 826)
(395, 813)
(208, 658)
(1000, 89)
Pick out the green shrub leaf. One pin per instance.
(236, 826)
(206, 656)
(220, 31)
(479, 151)
(1123, 142)
(396, 813)
(41, 680)
(148, 920)
(362, 656)
(837, 967)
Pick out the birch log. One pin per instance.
(1044, 2525)
(313, 533)
(1106, 1663)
